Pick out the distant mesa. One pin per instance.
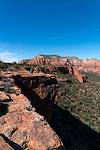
(86, 65)
(55, 63)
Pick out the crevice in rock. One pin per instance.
(14, 145)
(33, 87)
(73, 133)
(3, 108)
(8, 100)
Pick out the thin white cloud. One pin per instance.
(7, 56)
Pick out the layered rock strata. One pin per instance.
(22, 125)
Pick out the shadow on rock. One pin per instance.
(74, 134)
(3, 109)
(14, 145)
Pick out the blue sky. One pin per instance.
(63, 27)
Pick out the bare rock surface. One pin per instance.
(21, 126)
(4, 145)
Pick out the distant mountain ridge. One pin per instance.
(86, 65)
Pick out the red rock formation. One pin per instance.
(23, 72)
(88, 65)
(41, 91)
(20, 124)
(4, 145)
(3, 96)
(78, 75)
(47, 60)
(59, 64)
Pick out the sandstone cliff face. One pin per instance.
(88, 65)
(22, 125)
(40, 90)
(48, 61)
(55, 64)
(77, 74)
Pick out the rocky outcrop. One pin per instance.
(77, 74)
(42, 60)
(23, 125)
(40, 90)
(56, 64)
(86, 65)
